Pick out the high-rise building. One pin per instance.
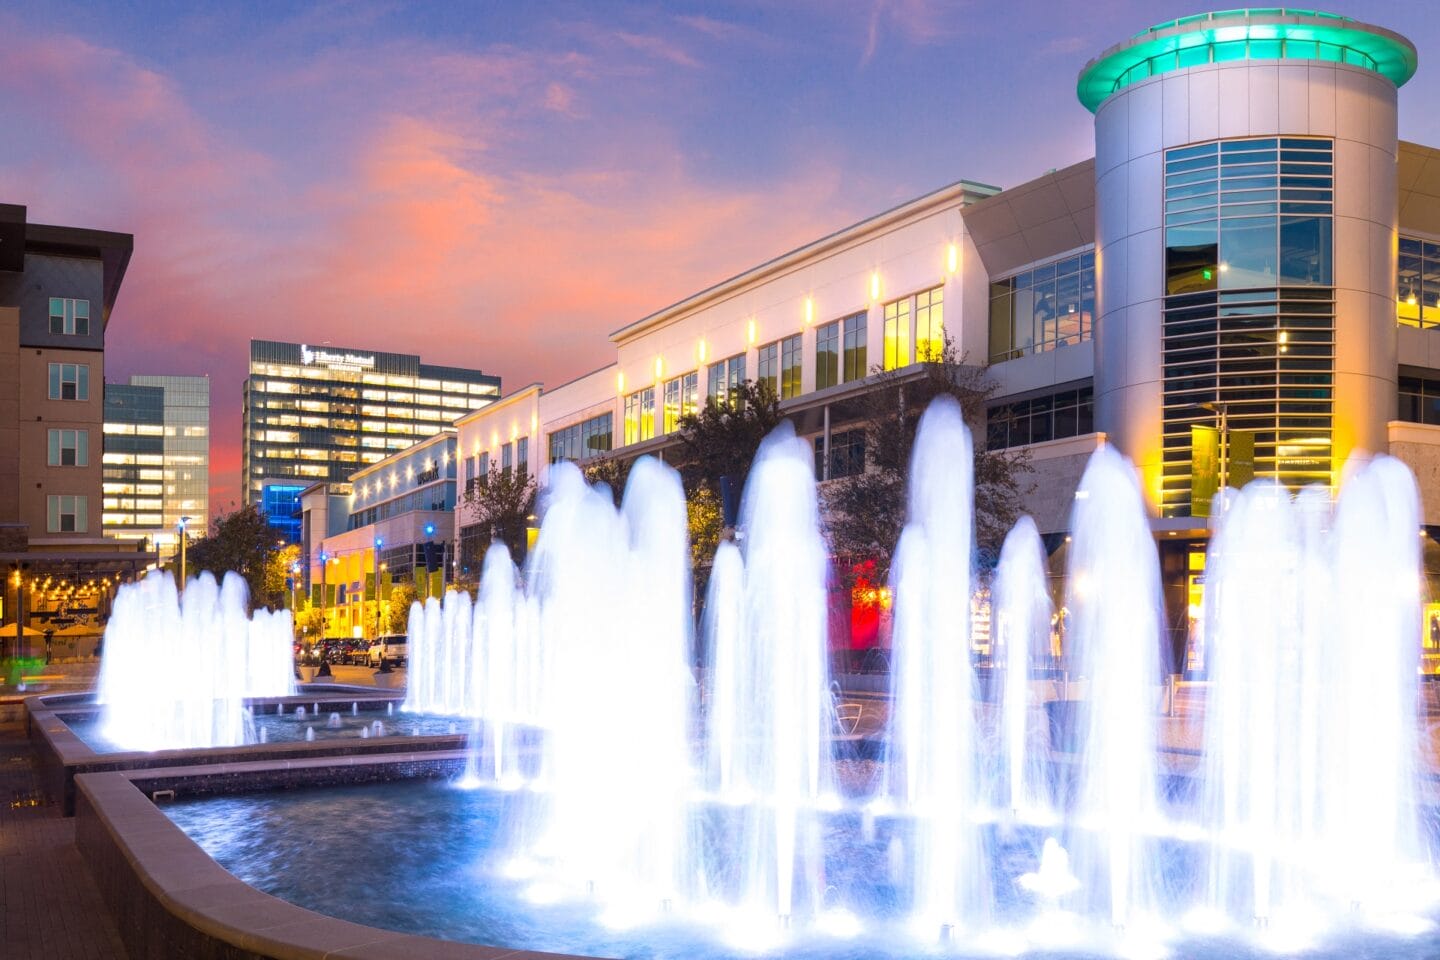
(321, 413)
(157, 458)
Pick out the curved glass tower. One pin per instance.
(1245, 243)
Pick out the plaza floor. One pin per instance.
(50, 907)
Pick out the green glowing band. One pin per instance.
(1261, 34)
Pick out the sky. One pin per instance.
(500, 185)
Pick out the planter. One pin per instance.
(307, 673)
(386, 679)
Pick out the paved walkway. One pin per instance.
(50, 908)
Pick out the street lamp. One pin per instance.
(1223, 410)
(379, 542)
(184, 522)
(324, 593)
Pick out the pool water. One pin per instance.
(427, 858)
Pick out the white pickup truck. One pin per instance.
(392, 649)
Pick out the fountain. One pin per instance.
(622, 811)
(178, 669)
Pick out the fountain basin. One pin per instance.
(171, 898)
(63, 752)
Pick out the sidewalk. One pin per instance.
(50, 908)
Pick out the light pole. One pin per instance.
(295, 587)
(324, 600)
(1223, 410)
(379, 542)
(184, 522)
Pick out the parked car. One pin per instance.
(392, 648)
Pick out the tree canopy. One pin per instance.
(501, 503)
(866, 512)
(243, 542)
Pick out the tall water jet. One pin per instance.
(1369, 822)
(502, 667)
(1020, 601)
(769, 673)
(1114, 638)
(1254, 710)
(617, 703)
(177, 670)
(933, 751)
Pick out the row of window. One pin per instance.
(1069, 413)
(1417, 283)
(581, 441)
(1419, 400)
(68, 448)
(1042, 309)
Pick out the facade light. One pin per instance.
(952, 258)
(620, 382)
(658, 368)
(700, 352)
(809, 310)
(875, 285)
(750, 332)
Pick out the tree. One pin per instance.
(706, 526)
(722, 438)
(278, 572)
(243, 542)
(611, 471)
(501, 503)
(397, 614)
(866, 513)
(309, 623)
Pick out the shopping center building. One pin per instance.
(1252, 246)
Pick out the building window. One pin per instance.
(847, 455)
(65, 514)
(1417, 283)
(522, 455)
(70, 317)
(1069, 413)
(827, 355)
(791, 351)
(1042, 309)
(897, 334)
(724, 378)
(507, 457)
(930, 325)
(1243, 214)
(682, 398)
(1420, 400)
(69, 448)
(581, 441)
(640, 416)
(69, 381)
(854, 359)
(767, 373)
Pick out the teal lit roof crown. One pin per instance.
(1268, 33)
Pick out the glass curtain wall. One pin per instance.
(1044, 308)
(1249, 316)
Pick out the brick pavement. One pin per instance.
(50, 907)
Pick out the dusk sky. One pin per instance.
(501, 185)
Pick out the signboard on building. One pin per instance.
(1240, 466)
(1204, 469)
(315, 356)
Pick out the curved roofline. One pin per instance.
(1192, 41)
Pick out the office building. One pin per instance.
(1251, 239)
(156, 459)
(321, 413)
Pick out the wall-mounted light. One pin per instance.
(750, 332)
(952, 258)
(620, 382)
(534, 422)
(700, 351)
(875, 285)
(514, 431)
(659, 368)
(809, 310)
